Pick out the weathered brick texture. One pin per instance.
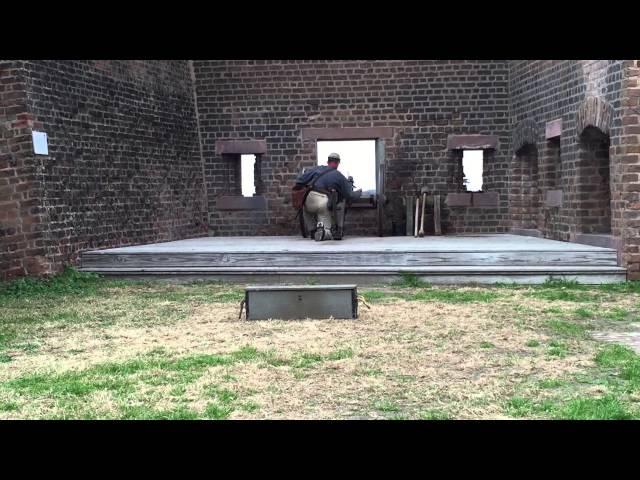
(123, 166)
(424, 102)
(585, 95)
(626, 198)
(133, 161)
(22, 245)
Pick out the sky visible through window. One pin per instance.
(246, 174)
(472, 168)
(357, 159)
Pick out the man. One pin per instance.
(327, 200)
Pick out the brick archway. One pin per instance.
(525, 132)
(524, 195)
(594, 112)
(592, 206)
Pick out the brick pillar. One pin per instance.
(524, 193)
(22, 246)
(628, 160)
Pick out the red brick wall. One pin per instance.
(545, 90)
(22, 242)
(626, 199)
(123, 167)
(424, 102)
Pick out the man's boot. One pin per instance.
(322, 233)
(318, 235)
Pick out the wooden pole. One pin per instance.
(424, 207)
(409, 207)
(415, 226)
(436, 215)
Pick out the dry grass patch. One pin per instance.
(167, 351)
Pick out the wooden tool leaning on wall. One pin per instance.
(437, 229)
(424, 207)
(409, 213)
(415, 226)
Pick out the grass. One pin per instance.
(430, 294)
(552, 295)
(249, 406)
(615, 356)
(617, 314)
(616, 376)
(622, 358)
(307, 360)
(551, 383)
(557, 349)
(455, 296)
(80, 346)
(566, 329)
(410, 280)
(605, 408)
(217, 412)
(519, 407)
(145, 413)
(583, 312)
(9, 407)
(341, 354)
(374, 296)
(434, 415)
(386, 406)
(70, 282)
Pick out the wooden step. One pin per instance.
(381, 274)
(601, 257)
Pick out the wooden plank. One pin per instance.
(437, 227)
(436, 275)
(380, 168)
(409, 207)
(237, 202)
(369, 279)
(553, 129)
(241, 147)
(471, 270)
(458, 199)
(485, 199)
(265, 244)
(355, 133)
(415, 221)
(315, 259)
(471, 142)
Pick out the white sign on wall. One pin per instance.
(40, 146)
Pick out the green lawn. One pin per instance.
(79, 346)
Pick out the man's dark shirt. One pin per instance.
(335, 180)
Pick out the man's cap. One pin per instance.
(334, 157)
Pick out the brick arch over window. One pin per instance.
(594, 112)
(526, 132)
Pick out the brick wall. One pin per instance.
(22, 242)
(424, 102)
(545, 90)
(123, 166)
(626, 200)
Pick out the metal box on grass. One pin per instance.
(301, 301)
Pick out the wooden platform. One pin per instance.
(450, 259)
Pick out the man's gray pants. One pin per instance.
(316, 209)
